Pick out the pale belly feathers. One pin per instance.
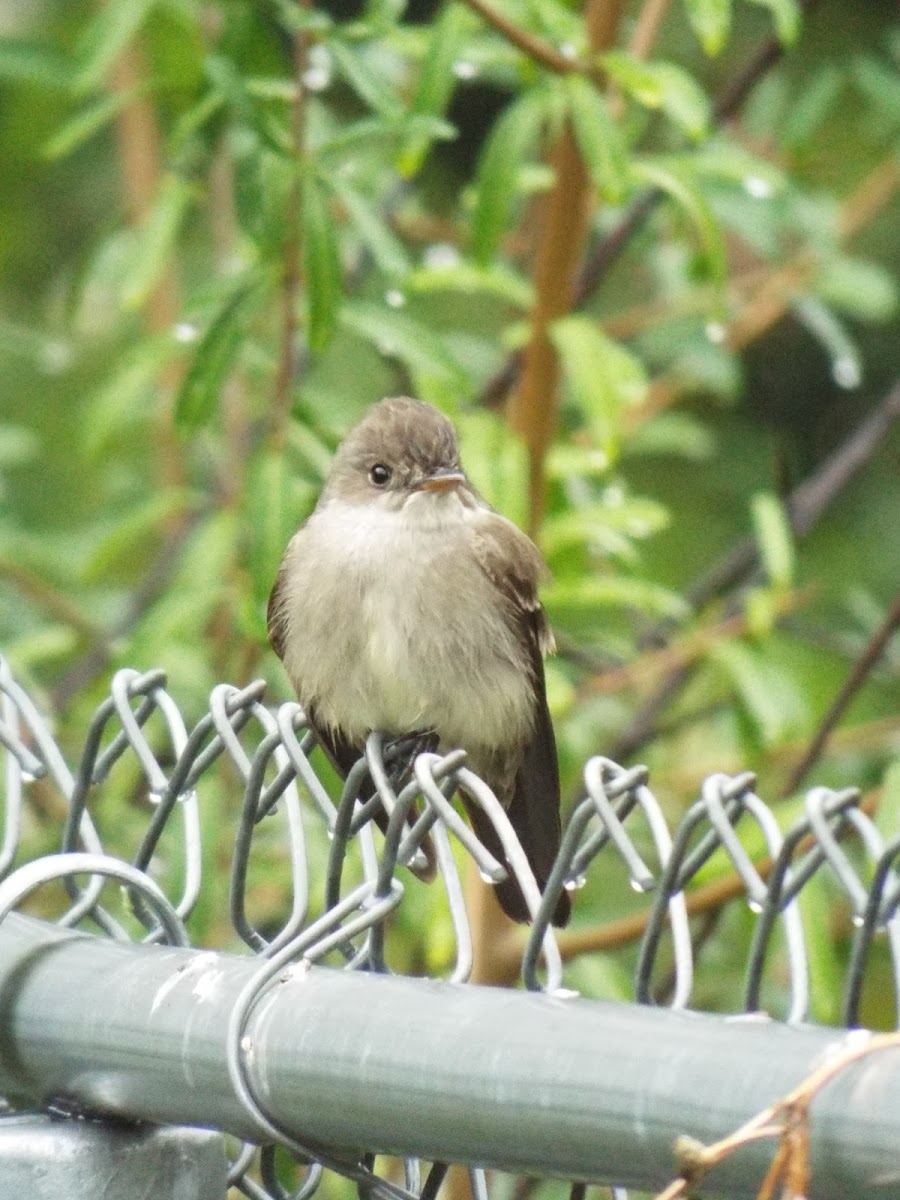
(418, 643)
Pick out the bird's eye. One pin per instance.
(380, 475)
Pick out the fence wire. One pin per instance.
(339, 911)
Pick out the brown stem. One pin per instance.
(607, 252)
(534, 405)
(863, 666)
(542, 52)
(647, 26)
(141, 163)
(786, 1119)
(57, 604)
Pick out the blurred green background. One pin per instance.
(228, 227)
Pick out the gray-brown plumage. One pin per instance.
(406, 604)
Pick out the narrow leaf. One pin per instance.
(383, 244)
(216, 354)
(598, 137)
(104, 39)
(85, 124)
(369, 85)
(603, 376)
(321, 266)
(436, 83)
(773, 536)
(787, 17)
(691, 200)
(711, 21)
(664, 86)
(155, 239)
(513, 138)
(397, 335)
(835, 339)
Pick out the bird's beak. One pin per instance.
(442, 481)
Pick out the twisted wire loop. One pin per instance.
(342, 879)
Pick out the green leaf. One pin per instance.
(126, 394)
(599, 142)
(496, 461)
(31, 62)
(664, 86)
(614, 591)
(434, 371)
(711, 21)
(321, 266)
(808, 110)
(499, 281)
(436, 83)
(377, 236)
(774, 538)
(153, 242)
(216, 354)
(768, 693)
(603, 528)
(369, 85)
(85, 124)
(604, 378)
(691, 200)
(787, 17)
(674, 432)
(860, 288)
(722, 159)
(513, 138)
(104, 39)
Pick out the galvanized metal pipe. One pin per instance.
(523, 1082)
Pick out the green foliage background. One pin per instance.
(177, 368)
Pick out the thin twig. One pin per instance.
(608, 251)
(805, 506)
(862, 668)
(542, 52)
(786, 1119)
(56, 603)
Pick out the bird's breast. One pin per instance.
(395, 627)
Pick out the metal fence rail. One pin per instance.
(276, 1048)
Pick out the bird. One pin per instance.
(406, 604)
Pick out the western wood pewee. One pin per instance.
(407, 604)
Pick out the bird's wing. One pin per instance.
(515, 567)
(276, 616)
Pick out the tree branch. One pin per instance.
(566, 215)
(805, 506)
(536, 48)
(862, 668)
(608, 251)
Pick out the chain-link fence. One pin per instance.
(312, 1044)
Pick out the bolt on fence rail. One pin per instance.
(311, 1043)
